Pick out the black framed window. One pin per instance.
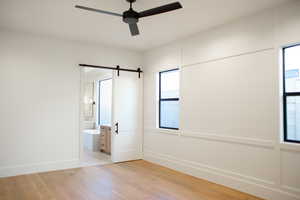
(291, 93)
(169, 99)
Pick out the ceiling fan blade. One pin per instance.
(99, 11)
(161, 9)
(134, 29)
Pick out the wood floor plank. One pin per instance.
(136, 180)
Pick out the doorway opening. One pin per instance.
(96, 112)
(111, 115)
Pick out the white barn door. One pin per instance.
(127, 117)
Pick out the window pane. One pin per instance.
(105, 100)
(293, 118)
(170, 84)
(292, 69)
(169, 114)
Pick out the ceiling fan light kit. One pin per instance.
(131, 17)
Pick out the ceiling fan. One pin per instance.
(132, 17)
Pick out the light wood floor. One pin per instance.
(95, 158)
(137, 180)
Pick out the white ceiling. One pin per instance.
(59, 18)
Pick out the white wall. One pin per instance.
(230, 125)
(39, 104)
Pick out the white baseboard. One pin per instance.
(244, 184)
(39, 167)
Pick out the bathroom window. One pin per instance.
(104, 102)
(169, 99)
(291, 93)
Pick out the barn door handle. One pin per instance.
(117, 128)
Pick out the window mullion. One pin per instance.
(169, 99)
(291, 94)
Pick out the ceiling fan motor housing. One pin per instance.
(130, 17)
(131, 1)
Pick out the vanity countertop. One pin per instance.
(92, 131)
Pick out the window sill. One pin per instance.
(290, 146)
(168, 131)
